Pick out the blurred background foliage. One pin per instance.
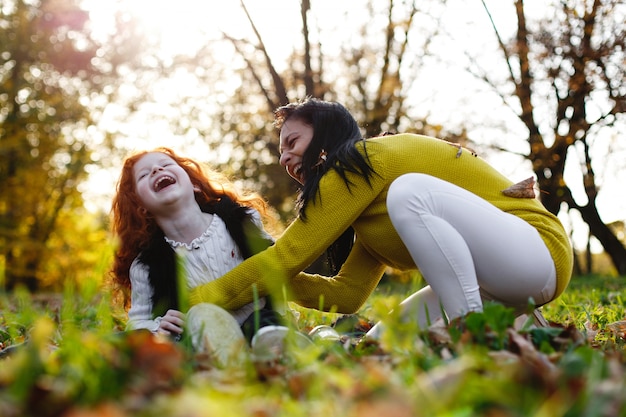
(76, 96)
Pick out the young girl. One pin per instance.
(168, 207)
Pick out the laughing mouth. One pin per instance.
(163, 182)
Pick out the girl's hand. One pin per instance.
(172, 323)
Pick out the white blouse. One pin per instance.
(206, 258)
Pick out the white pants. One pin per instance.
(467, 250)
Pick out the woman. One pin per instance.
(167, 208)
(413, 202)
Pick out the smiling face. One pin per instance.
(295, 138)
(161, 182)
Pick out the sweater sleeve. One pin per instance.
(140, 312)
(256, 219)
(272, 270)
(344, 293)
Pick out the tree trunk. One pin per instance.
(611, 244)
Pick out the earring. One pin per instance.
(321, 159)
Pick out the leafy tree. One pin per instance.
(51, 72)
(558, 69)
(569, 91)
(79, 251)
(371, 74)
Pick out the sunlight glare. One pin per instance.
(182, 25)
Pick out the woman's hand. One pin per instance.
(172, 323)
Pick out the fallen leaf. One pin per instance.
(158, 363)
(397, 407)
(591, 330)
(107, 409)
(522, 189)
(618, 328)
(532, 357)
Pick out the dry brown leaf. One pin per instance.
(591, 330)
(522, 189)
(531, 356)
(439, 335)
(391, 406)
(618, 328)
(102, 410)
(299, 383)
(270, 369)
(158, 361)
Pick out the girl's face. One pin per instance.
(295, 138)
(161, 182)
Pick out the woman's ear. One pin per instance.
(196, 188)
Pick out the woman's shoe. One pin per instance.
(271, 343)
(324, 333)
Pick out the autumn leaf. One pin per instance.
(106, 409)
(158, 363)
(534, 359)
(522, 189)
(618, 328)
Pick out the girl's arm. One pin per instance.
(140, 312)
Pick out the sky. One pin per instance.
(187, 25)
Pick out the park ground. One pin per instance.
(70, 358)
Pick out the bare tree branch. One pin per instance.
(279, 86)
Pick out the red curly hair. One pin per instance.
(135, 227)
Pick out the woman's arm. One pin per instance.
(271, 271)
(345, 292)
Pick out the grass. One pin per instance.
(77, 362)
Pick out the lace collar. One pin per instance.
(197, 242)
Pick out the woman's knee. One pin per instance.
(404, 193)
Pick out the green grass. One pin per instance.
(593, 304)
(77, 362)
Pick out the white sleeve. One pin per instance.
(256, 219)
(140, 312)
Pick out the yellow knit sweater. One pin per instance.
(377, 245)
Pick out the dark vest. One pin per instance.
(160, 258)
